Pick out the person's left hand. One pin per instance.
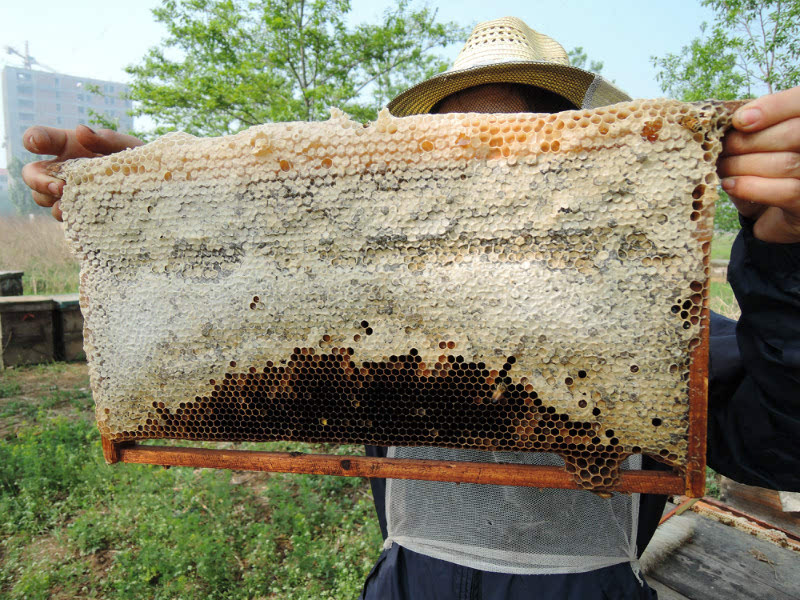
(760, 165)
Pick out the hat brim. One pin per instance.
(570, 82)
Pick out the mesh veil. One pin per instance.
(510, 529)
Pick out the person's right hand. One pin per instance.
(65, 144)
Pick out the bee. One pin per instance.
(497, 395)
(691, 123)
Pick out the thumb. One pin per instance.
(105, 141)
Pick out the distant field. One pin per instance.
(38, 248)
(721, 245)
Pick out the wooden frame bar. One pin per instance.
(698, 410)
(655, 482)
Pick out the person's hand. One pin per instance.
(65, 144)
(760, 165)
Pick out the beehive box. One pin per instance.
(503, 282)
(26, 330)
(68, 328)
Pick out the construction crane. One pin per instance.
(27, 59)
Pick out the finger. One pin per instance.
(43, 199)
(765, 164)
(783, 137)
(45, 140)
(49, 140)
(768, 110)
(57, 211)
(105, 141)
(784, 193)
(36, 177)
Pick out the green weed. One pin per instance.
(9, 389)
(176, 533)
(79, 399)
(712, 483)
(18, 407)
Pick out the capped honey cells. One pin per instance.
(507, 282)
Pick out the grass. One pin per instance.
(9, 389)
(38, 248)
(73, 527)
(712, 483)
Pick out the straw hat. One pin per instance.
(508, 51)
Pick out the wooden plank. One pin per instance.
(21, 303)
(659, 482)
(723, 563)
(719, 269)
(759, 502)
(710, 504)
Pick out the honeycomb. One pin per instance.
(505, 282)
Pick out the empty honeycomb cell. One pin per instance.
(509, 237)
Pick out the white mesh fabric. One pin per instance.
(600, 93)
(510, 529)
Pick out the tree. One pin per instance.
(99, 119)
(752, 46)
(18, 193)
(230, 64)
(579, 58)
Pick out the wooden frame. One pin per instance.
(653, 482)
(682, 447)
(639, 481)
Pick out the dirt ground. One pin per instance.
(56, 387)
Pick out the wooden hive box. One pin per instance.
(26, 330)
(68, 328)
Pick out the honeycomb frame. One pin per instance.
(321, 282)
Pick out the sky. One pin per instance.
(98, 39)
